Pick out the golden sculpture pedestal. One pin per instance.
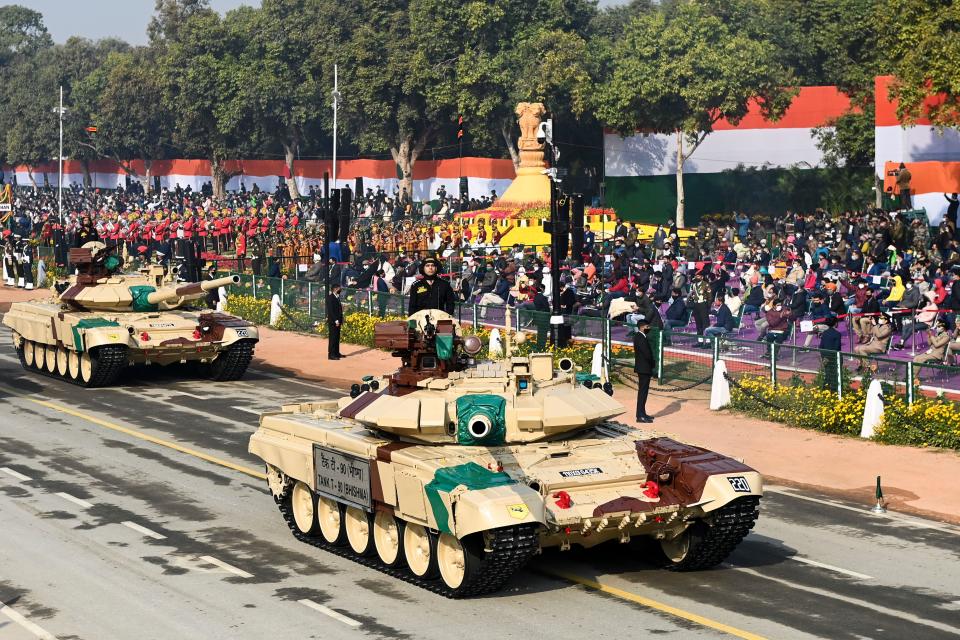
(531, 186)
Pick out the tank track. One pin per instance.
(731, 523)
(111, 361)
(511, 548)
(236, 360)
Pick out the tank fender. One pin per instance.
(720, 490)
(88, 337)
(292, 456)
(467, 498)
(495, 508)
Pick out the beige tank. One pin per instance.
(453, 471)
(102, 321)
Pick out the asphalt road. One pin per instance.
(130, 513)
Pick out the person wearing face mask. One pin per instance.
(938, 339)
(778, 323)
(879, 337)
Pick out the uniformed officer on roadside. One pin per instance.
(432, 292)
(334, 322)
(213, 295)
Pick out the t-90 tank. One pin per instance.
(453, 471)
(102, 321)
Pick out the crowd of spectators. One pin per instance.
(888, 275)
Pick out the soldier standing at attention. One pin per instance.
(334, 322)
(431, 292)
(643, 367)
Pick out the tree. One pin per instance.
(922, 48)
(128, 110)
(490, 56)
(388, 77)
(681, 71)
(284, 62)
(199, 61)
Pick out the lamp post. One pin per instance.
(336, 103)
(60, 111)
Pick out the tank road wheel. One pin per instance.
(232, 363)
(62, 363)
(28, 354)
(459, 561)
(86, 369)
(358, 525)
(330, 517)
(418, 549)
(39, 354)
(706, 543)
(50, 359)
(304, 506)
(73, 365)
(388, 538)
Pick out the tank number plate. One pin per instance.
(739, 484)
(343, 477)
(576, 473)
(241, 333)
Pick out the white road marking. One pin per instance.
(190, 395)
(140, 529)
(896, 517)
(75, 500)
(16, 474)
(4, 356)
(226, 567)
(245, 410)
(33, 628)
(830, 567)
(902, 615)
(327, 611)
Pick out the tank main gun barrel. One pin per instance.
(190, 290)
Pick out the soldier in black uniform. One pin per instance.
(643, 366)
(431, 292)
(213, 296)
(334, 322)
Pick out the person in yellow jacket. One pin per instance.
(896, 293)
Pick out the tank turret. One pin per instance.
(98, 286)
(441, 394)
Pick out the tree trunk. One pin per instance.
(148, 168)
(406, 157)
(33, 180)
(289, 157)
(219, 177)
(878, 190)
(680, 199)
(506, 130)
(87, 182)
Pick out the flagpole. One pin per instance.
(60, 183)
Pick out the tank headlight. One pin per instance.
(374, 385)
(354, 390)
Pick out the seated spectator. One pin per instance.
(723, 324)
(938, 341)
(863, 324)
(819, 312)
(754, 300)
(923, 321)
(778, 323)
(879, 337)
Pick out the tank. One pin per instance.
(454, 470)
(102, 321)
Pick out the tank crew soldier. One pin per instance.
(213, 296)
(334, 322)
(643, 367)
(432, 292)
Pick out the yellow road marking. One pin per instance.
(570, 577)
(143, 436)
(651, 604)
